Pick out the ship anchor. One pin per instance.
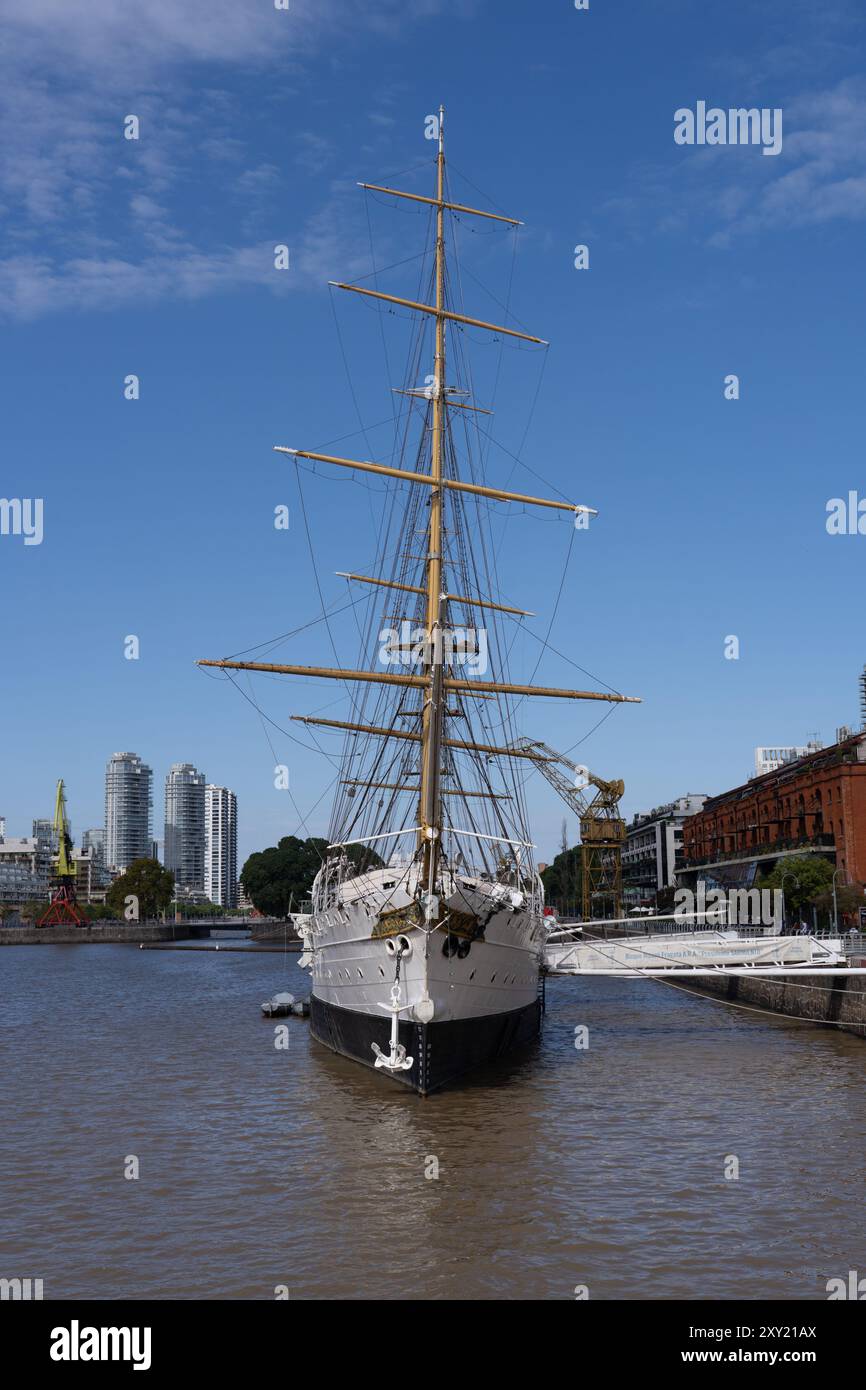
(396, 1060)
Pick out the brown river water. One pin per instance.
(601, 1167)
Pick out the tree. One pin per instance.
(563, 879)
(98, 912)
(203, 910)
(283, 875)
(32, 911)
(146, 880)
(804, 878)
(850, 897)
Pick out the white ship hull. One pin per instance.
(451, 987)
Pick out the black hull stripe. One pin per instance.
(441, 1052)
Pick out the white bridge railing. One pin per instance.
(704, 951)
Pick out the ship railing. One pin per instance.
(522, 874)
(339, 869)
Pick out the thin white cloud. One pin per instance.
(90, 219)
(719, 193)
(33, 284)
(313, 151)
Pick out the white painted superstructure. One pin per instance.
(354, 967)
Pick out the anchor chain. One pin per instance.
(396, 984)
(396, 1060)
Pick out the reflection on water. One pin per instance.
(561, 1167)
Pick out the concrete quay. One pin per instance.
(109, 933)
(836, 1000)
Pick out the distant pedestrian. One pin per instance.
(804, 928)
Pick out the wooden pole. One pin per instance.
(437, 202)
(385, 469)
(440, 313)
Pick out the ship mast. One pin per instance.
(429, 814)
(432, 682)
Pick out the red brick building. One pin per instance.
(816, 805)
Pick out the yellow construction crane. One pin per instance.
(63, 909)
(602, 829)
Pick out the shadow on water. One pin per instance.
(518, 1063)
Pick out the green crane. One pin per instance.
(63, 910)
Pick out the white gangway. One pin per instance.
(689, 946)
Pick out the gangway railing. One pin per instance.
(696, 954)
(650, 926)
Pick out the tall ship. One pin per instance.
(427, 928)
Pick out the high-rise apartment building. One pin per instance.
(43, 831)
(128, 803)
(94, 839)
(221, 846)
(185, 827)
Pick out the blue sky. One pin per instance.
(155, 257)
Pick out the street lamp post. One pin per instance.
(789, 873)
(835, 905)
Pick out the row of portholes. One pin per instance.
(346, 974)
(506, 979)
(341, 916)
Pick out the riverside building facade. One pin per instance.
(652, 851)
(814, 805)
(25, 865)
